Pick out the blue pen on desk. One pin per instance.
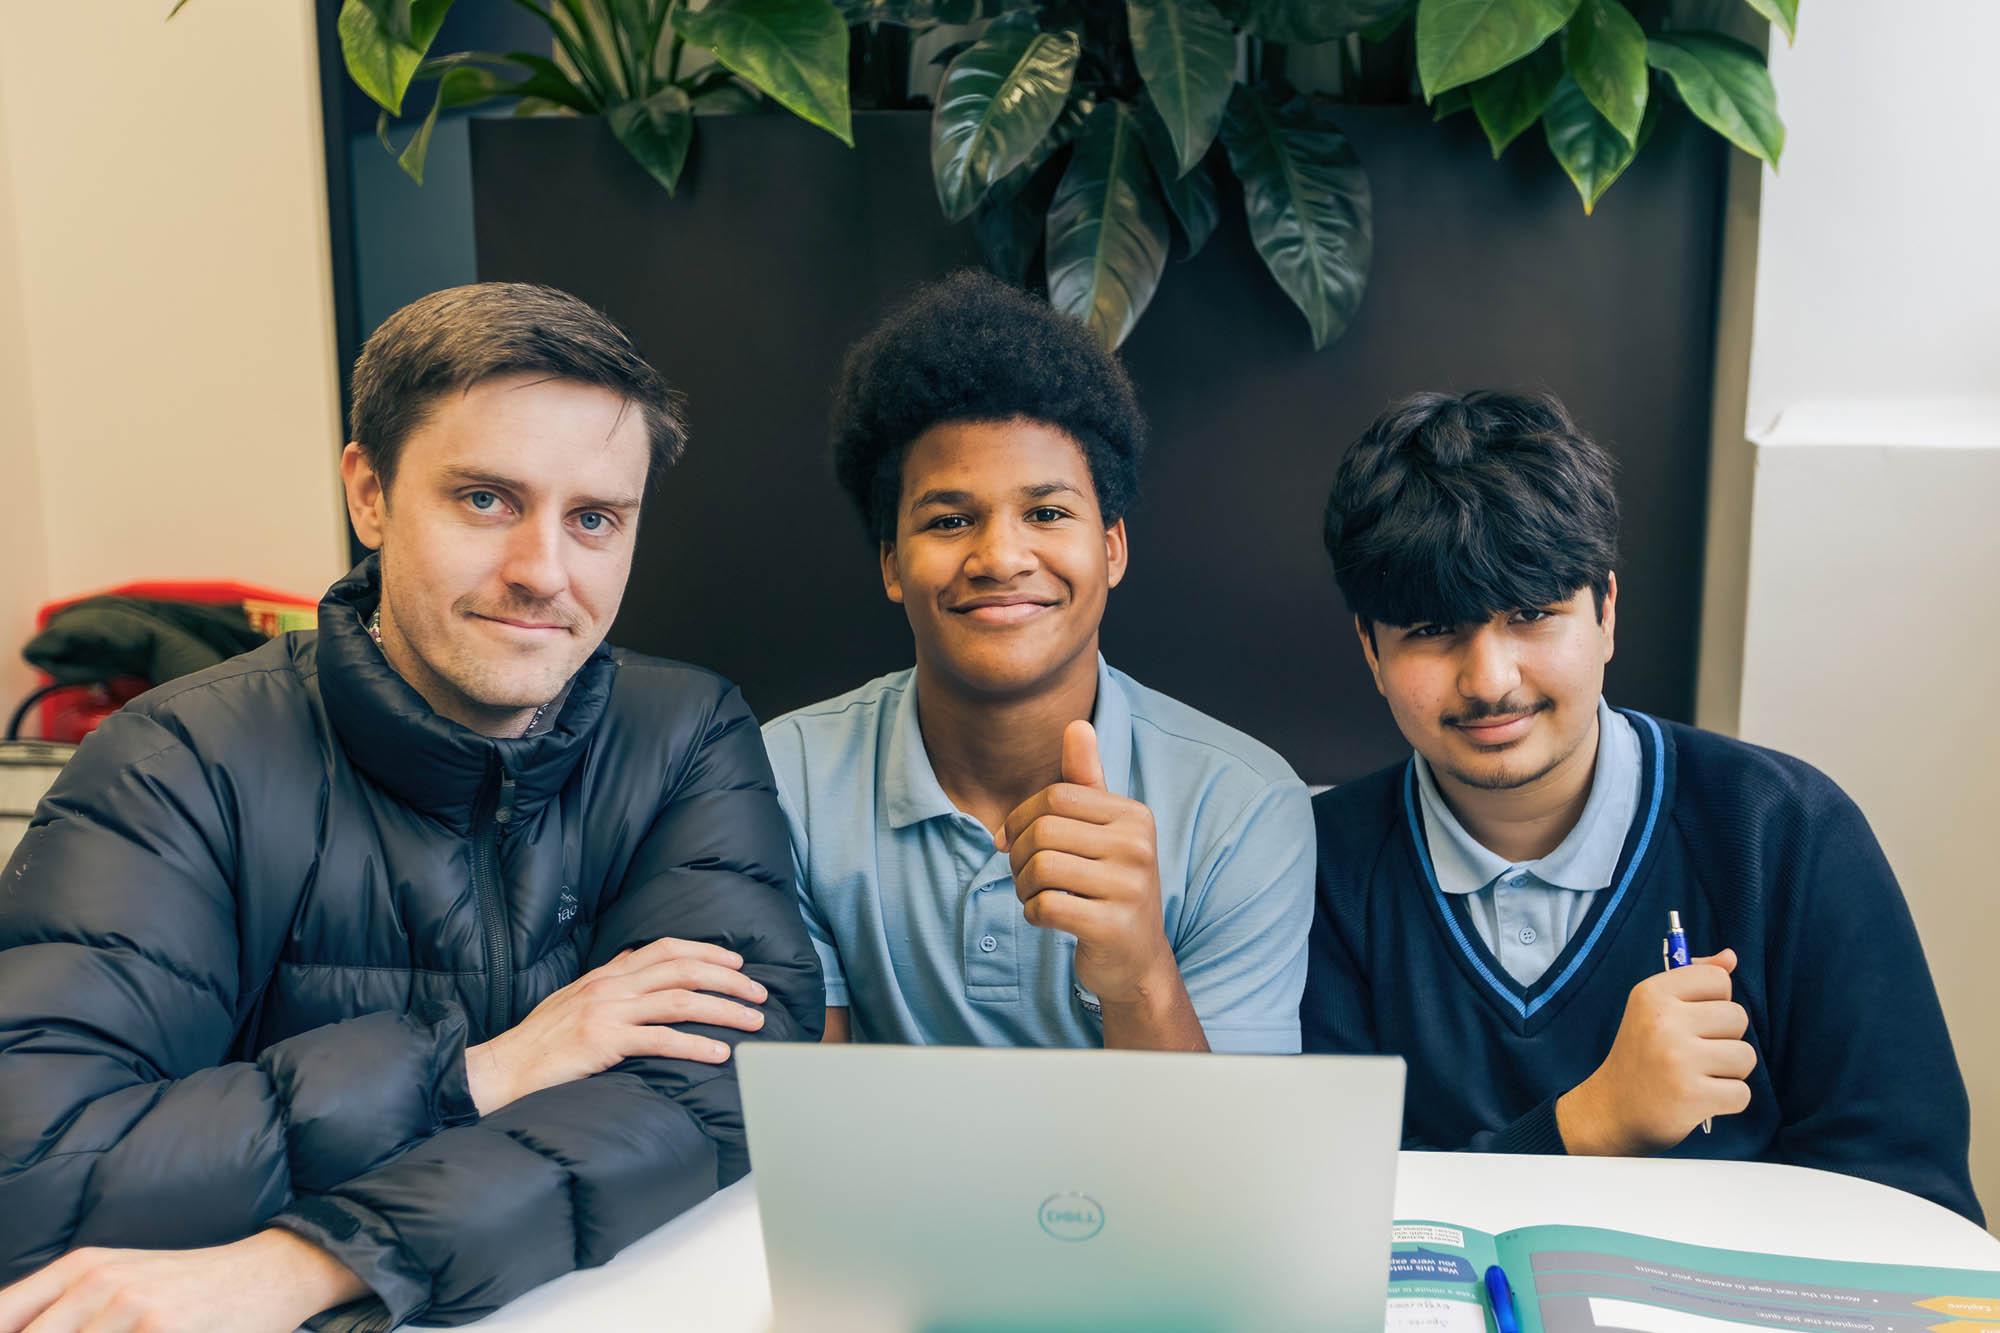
(1675, 947)
(1501, 1297)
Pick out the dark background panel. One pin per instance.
(783, 247)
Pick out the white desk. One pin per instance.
(704, 1271)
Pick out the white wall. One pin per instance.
(1854, 538)
(167, 381)
(1877, 273)
(24, 566)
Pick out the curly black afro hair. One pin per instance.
(972, 348)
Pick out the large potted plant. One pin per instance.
(1072, 131)
(782, 243)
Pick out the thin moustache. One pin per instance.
(528, 615)
(1491, 714)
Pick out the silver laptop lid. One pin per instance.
(931, 1188)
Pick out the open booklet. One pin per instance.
(1584, 1280)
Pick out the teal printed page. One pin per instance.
(1436, 1271)
(1584, 1280)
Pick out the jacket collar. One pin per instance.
(430, 763)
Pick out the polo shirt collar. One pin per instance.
(910, 790)
(1587, 857)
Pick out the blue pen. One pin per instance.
(1501, 1297)
(1675, 946)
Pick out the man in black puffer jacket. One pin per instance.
(393, 970)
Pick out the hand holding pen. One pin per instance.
(1675, 947)
(1679, 1058)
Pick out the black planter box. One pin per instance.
(783, 246)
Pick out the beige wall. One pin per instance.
(1853, 546)
(24, 566)
(166, 336)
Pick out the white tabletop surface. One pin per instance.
(704, 1271)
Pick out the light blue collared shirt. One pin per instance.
(1525, 912)
(914, 914)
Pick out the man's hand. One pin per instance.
(1086, 862)
(614, 1013)
(269, 1283)
(1678, 1059)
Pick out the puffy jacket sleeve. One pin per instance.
(124, 976)
(567, 1177)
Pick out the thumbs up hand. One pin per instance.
(1086, 863)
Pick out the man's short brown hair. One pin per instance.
(451, 340)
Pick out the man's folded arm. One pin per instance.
(121, 990)
(566, 1177)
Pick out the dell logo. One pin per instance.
(1071, 1216)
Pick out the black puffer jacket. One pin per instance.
(267, 906)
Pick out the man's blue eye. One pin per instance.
(592, 521)
(483, 500)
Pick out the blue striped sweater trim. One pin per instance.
(1524, 1008)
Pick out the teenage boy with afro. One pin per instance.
(1493, 909)
(1012, 843)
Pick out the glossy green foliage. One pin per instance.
(1190, 196)
(1462, 41)
(1591, 149)
(1727, 86)
(1509, 100)
(1186, 51)
(999, 99)
(380, 62)
(792, 51)
(1606, 55)
(656, 131)
(1307, 201)
(1784, 13)
(1107, 228)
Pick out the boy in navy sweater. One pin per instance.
(1493, 909)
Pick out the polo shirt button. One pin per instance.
(987, 944)
(1518, 880)
(1527, 935)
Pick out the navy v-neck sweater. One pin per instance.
(1758, 852)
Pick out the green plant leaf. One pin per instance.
(1307, 22)
(546, 81)
(656, 131)
(1191, 195)
(1726, 84)
(996, 103)
(1509, 100)
(1186, 52)
(457, 85)
(793, 51)
(1308, 203)
(1011, 222)
(1451, 103)
(1012, 219)
(1784, 13)
(1606, 55)
(1462, 41)
(1107, 229)
(380, 65)
(396, 20)
(1591, 149)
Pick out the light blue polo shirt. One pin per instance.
(1525, 912)
(914, 913)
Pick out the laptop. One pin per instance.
(950, 1190)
